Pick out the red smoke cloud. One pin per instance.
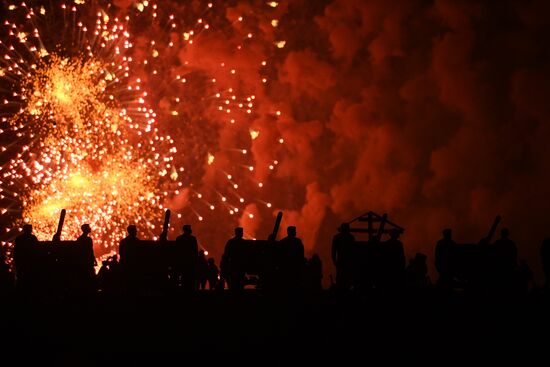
(434, 112)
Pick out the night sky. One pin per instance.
(434, 112)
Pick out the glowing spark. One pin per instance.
(254, 134)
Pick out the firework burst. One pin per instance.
(93, 113)
(81, 135)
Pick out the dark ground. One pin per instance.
(252, 328)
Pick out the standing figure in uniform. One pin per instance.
(234, 256)
(343, 245)
(25, 256)
(85, 260)
(291, 260)
(184, 260)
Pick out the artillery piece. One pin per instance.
(260, 262)
(372, 258)
(57, 258)
(471, 263)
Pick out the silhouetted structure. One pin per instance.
(374, 260)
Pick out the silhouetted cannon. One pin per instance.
(261, 256)
(57, 262)
(471, 263)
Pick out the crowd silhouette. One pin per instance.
(67, 268)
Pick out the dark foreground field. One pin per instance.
(219, 328)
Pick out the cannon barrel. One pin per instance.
(57, 235)
(273, 235)
(165, 225)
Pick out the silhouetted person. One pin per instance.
(505, 260)
(443, 260)
(545, 258)
(392, 262)
(128, 251)
(108, 276)
(202, 270)
(212, 274)
(25, 258)
(85, 260)
(291, 260)
(342, 253)
(416, 273)
(127, 248)
(235, 259)
(184, 260)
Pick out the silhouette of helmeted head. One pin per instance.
(504, 233)
(447, 233)
(344, 227)
(291, 231)
(239, 232)
(86, 229)
(132, 230)
(27, 229)
(187, 229)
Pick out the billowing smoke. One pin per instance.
(432, 111)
